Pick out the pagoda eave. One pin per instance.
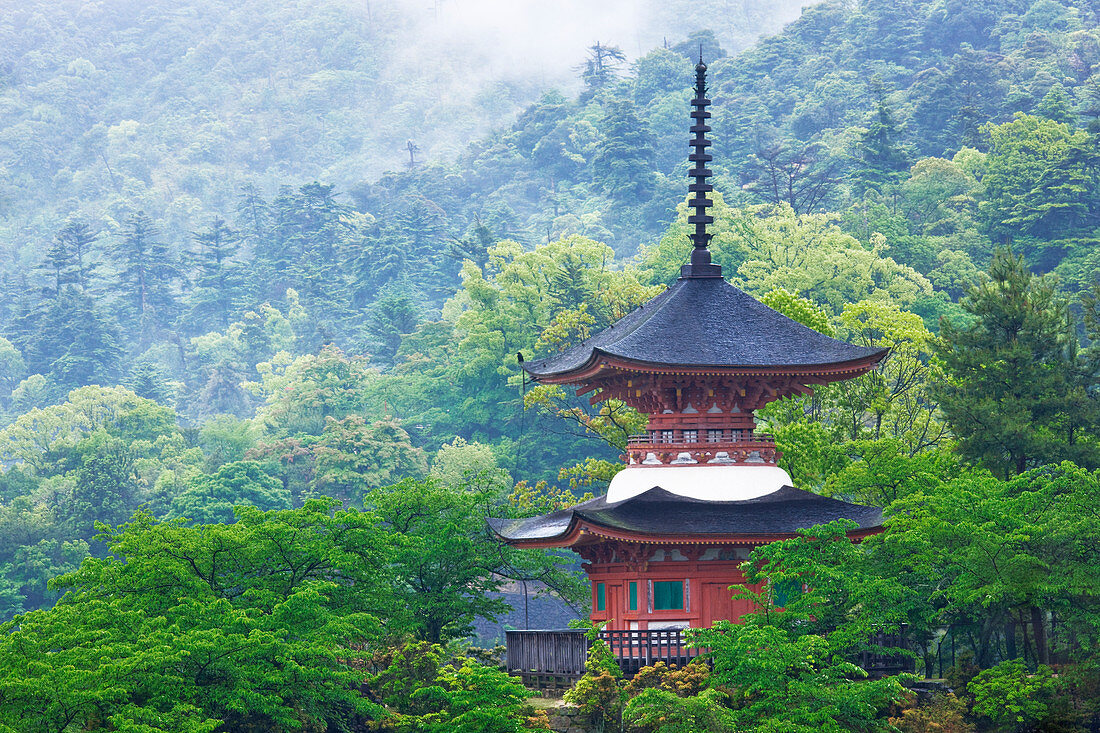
(586, 534)
(582, 533)
(603, 364)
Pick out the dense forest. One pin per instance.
(266, 272)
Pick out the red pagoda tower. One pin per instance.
(701, 487)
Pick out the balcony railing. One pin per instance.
(647, 451)
(678, 438)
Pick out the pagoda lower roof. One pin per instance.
(659, 516)
(706, 322)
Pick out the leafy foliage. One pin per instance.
(1010, 696)
(1012, 400)
(285, 330)
(191, 628)
(424, 692)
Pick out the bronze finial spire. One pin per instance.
(699, 188)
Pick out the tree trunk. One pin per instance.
(1038, 622)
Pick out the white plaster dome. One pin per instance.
(705, 483)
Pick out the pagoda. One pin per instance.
(701, 487)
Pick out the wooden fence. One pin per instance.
(556, 658)
(637, 649)
(549, 659)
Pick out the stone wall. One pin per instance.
(569, 719)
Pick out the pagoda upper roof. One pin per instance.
(661, 516)
(706, 322)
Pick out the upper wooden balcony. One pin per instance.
(701, 447)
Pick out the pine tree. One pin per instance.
(306, 244)
(70, 341)
(884, 161)
(60, 263)
(601, 68)
(253, 214)
(1010, 397)
(474, 246)
(392, 316)
(79, 238)
(217, 278)
(147, 276)
(147, 379)
(381, 259)
(623, 164)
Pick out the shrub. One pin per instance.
(683, 681)
(946, 714)
(1011, 698)
(656, 710)
(599, 693)
(423, 694)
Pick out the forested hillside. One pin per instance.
(269, 306)
(268, 276)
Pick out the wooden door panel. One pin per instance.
(721, 604)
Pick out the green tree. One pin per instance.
(302, 393)
(661, 711)
(794, 682)
(59, 264)
(236, 626)
(445, 562)
(602, 67)
(991, 552)
(76, 239)
(225, 438)
(395, 314)
(623, 163)
(423, 692)
(147, 379)
(1040, 179)
(218, 280)
(1009, 372)
(882, 157)
(70, 340)
(43, 440)
(765, 248)
(306, 250)
(147, 276)
(1012, 697)
(1056, 106)
(106, 487)
(895, 400)
(940, 196)
(353, 456)
(461, 462)
(210, 499)
(12, 370)
(800, 176)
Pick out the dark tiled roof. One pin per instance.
(658, 512)
(706, 321)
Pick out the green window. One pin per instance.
(601, 597)
(633, 596)
(668, 595)
(785, 591)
